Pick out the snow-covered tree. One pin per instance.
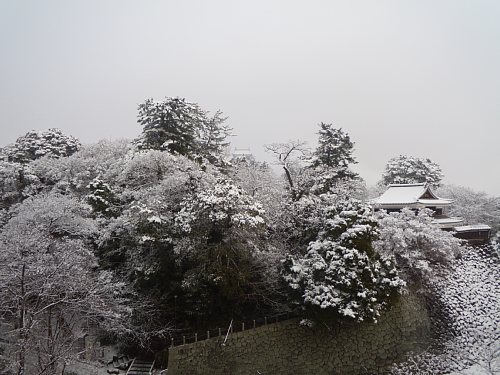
(326, 180)
(225, 203)
(253, 176)
(36, 144)
(321, 171)
(224, 228)
(331, 270)
(409, 170)
(260, 182)
(166, 241)
(421, 249)
(214, 139)
(150, 187)
(333, 154)
(172, 124)
(291, 157)
(101, 197)
(181, 127)
(149, 168)
(50, 283)
(16, 183)
(475, 207)
(72, 175)
(341, 276)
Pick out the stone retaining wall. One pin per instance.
(287, 348)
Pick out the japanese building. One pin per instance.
(418, 196)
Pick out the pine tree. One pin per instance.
(172, 124)
(213, 139)
(181, 127)
(331, 159)
(340, 276)
(334, 150)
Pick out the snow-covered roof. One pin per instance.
(409, 195)
(448, 222)
(403, 194)
(473, 228)
(242, 151)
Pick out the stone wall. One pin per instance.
(288, 348)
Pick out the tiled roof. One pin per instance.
(470, 228)
(409, 194)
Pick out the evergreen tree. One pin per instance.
(33, 145)
(181, 127)
(101, 198)
(341, 276)
(331, 159)
(409, 170)
(213, 139)
(223, 229)
(334, 151)
(172, 124)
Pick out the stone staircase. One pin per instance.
(140, 367)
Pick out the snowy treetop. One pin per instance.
(35, 144)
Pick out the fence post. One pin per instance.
(183, 340)
(242, 326)
(208, 335)
(220, 333)
(254, 323)
(172, 342)
(196, 337)
(265, 320)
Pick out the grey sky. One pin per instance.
(417, 77)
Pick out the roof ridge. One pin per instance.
(414, 184)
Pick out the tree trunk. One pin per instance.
(22, 333)
(290, 182)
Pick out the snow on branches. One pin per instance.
(170, 124)
(408, 170)
(420, 248)
(101, 197)
(224, 203)
(181, 127)
(474, 206)
(340, 274)
(34, 145)
(333, 154)
(50, 282)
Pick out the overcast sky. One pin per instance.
(419, 78)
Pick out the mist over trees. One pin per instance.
(166, 232)
(473, 206)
